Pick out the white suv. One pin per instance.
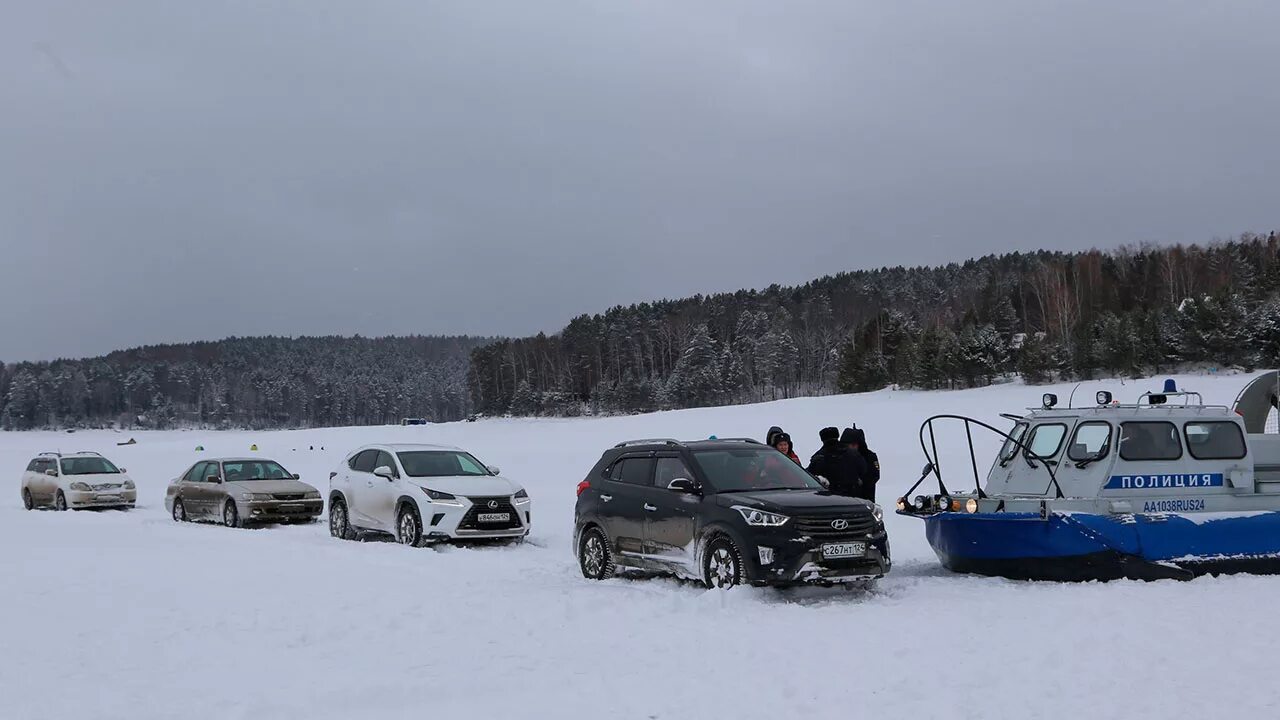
(79, 480)
(423, 494)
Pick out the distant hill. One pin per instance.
(254, 382)
(1044, 315)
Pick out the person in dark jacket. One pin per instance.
(872, 462)
(835, 462)
(782, 443)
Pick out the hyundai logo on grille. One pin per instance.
(493, 504)
(840, 524)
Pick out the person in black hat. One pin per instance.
(837, 464)
(870, 460)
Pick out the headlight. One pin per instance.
(311, 495)
(971, 505)
(250, 497)
(442, 498)
(760, 518)
(522, 497)
(128, 485)
(944, 503)
(877, 513)
(921, 502)
(82, 487)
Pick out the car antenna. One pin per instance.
(1071, 398)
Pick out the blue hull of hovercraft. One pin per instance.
(1083, 546)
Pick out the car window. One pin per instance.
(1011, 443)
(668, 469)
(251, 470)
(364, 462)
(384, 460)
(1149, 441)
(1045, 440)
(45, 466)
(470, 466)
(195, 473)
(88, 466)
(31, 466)
(751, 467)
(1092, 441)
(633, 471)
(1214, 440)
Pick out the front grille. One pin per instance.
(106, 486)
(288, 496)
(859, 525)
(480, 505)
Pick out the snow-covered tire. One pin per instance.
(60, 501)
(340, 521)
(231, 515)
(722, 566)
(179, 510)
(27, 501)
(595, 559)
(409, 527)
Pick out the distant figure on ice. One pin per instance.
(782, 443)
(872, 463)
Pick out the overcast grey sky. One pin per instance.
(174, 171)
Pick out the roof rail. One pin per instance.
(648, 441)
(741, 439)
(88, 452)
(50, 452)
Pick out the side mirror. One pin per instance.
(683, 485)
(384, 471)
(51, 472)
(213, 479)
(296, 476)
(493, 469)
(122, 471)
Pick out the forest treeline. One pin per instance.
(1044, 315)
(259, 382)
(1041, 315)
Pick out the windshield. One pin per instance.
(752, 468)
(440, 463)
(1011, 443)
(250, 470)
(88, 466)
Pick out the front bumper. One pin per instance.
(799, 560)
(278, 510)
(453, 523)
(80, 499)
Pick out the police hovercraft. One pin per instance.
(1168, 487)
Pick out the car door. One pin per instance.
(622, 502)
(40, 484)
(48, 483)
(671, 517)
(364, 492)
(382, 493)
(192, 488)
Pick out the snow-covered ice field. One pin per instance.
(129, 615)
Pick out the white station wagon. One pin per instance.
(77, 481)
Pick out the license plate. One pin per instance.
(107, 498)
(844, 550)
(290, 508)
(494, 517)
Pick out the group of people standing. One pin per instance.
(844, 461)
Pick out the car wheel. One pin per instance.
(230, 516)
(594, 556)
(409, 528)
(59, 501)
(179, 510)
(339, 522)
(722, 566)
(27, 501)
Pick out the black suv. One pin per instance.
(725, 512)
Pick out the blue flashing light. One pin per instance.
(1170, 386)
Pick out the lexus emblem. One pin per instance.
(493, 504)
(840, 524)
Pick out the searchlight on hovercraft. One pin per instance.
(1167, 487)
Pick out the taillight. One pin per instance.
(583, 486)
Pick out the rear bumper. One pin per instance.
(278, 510)
(107, 498)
